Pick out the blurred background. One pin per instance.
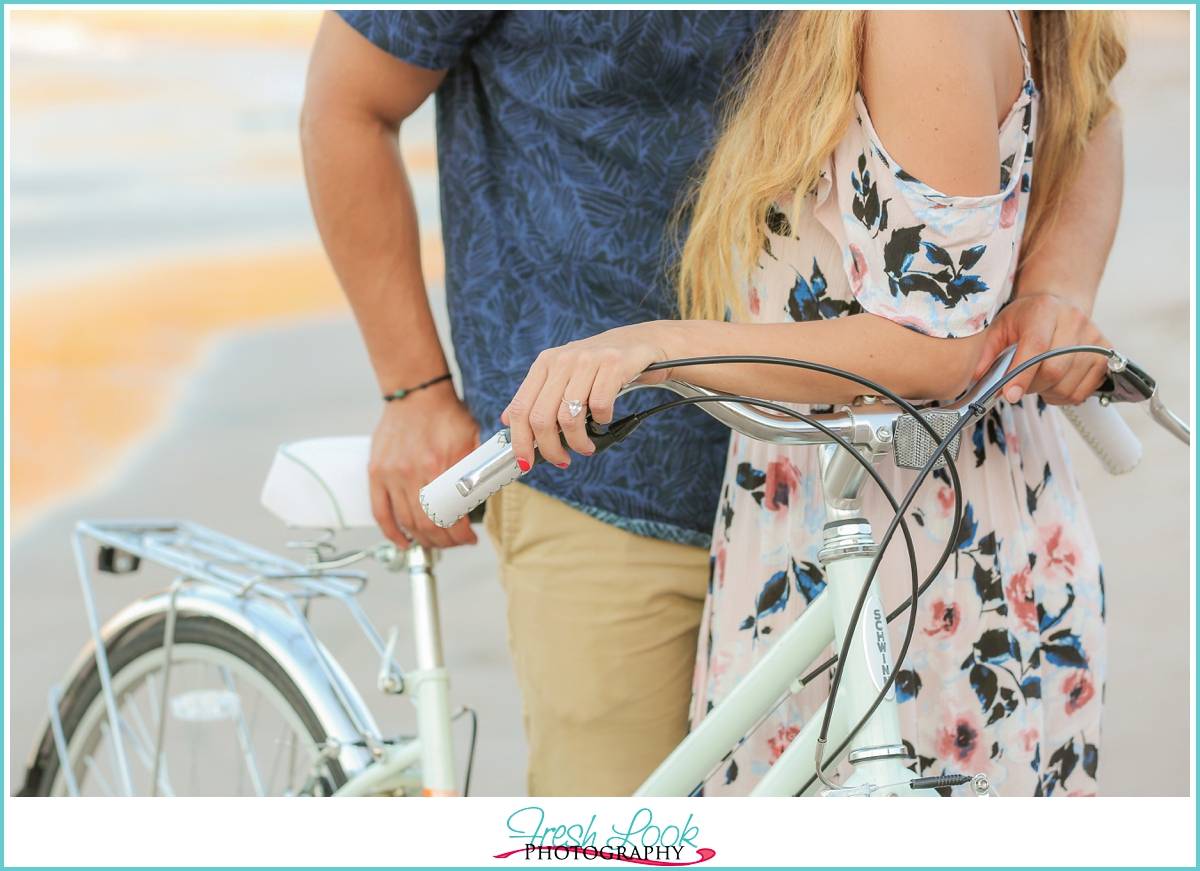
(173, 320)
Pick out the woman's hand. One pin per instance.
(1040, 323)
(592, 371)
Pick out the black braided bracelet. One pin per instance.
(400, 394)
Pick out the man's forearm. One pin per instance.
(1069, 260)
(356, 98)
(367, 219)
(365, 213)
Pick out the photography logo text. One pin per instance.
(643, 840)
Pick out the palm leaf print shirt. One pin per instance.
(564, 140)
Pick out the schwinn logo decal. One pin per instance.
(640, 842)
(876, 646)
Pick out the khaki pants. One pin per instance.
(602, 625)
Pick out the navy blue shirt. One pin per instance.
(564, 141)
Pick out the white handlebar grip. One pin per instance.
(1107, 434)
(464, 486)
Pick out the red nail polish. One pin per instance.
(523, 465)
(562, 465)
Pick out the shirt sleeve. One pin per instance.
(430, 39)
(938, 264)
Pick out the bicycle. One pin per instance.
(232, 628)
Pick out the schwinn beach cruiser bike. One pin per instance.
(219, 684)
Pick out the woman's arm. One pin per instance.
(1056, 288)
(932, 78)
(594, 370)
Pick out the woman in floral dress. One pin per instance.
(873, 270)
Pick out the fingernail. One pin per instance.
(587, 454)
(1014, 395)
(562, 465)
(523, 465)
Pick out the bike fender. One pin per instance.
(279, 635)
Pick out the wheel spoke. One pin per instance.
(143, 732)
(142, 750)
(212, 681)
(152, 690)
(254, 713)
(291, 769)
(275, 759)
(95, 770)
(254, 725)
(106, 735)
(244, 739)
(194, 735)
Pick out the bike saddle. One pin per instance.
(321, 483)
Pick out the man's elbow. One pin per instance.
(315, 122)
(330, 125)
(309, 122)
(318, 116)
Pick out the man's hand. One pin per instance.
(417, 439)
(1040, 323)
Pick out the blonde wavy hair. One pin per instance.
(794, 103)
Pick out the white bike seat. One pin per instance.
(321, 483)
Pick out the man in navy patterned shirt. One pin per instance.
(564, 141)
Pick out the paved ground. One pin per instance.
(1142, 520)
(260, 389)
(255, 392)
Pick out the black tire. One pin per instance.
(145, 637)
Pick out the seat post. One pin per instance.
(430, 683)
(427, 628)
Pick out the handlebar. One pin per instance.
(869, 423)
(857, 423)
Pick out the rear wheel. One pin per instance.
(236, 724)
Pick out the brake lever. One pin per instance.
(602, 438)
(1128, 382)
(1125, 382)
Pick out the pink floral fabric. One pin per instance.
(938, 264)
(1006, 671)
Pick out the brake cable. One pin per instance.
(869, 467)
(897, 519)
(620, 430)
(628, 424)
(977, 409)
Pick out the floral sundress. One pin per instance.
(1006, 670)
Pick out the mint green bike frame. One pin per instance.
(877, 750)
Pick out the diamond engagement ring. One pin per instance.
(574, 406)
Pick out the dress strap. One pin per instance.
(1021, 38)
